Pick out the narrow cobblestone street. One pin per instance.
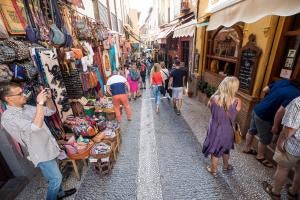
(160, 158)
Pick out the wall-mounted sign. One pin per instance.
(248, 65)
(291, 53)
(289, 63)
(286, 73)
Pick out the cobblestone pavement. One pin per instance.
(160, 158)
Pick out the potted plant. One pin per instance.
(202, 86)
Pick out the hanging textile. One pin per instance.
(55, 81)
(11, 19)
(72, 81)
(117, 56)
(112, 58)
(100, 81)
(106, 63)
(3, 31)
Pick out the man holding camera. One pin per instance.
(26, 125)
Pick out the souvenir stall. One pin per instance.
(51, 45)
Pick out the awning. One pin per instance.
(185, 30)
(165, 32)
(250, 11)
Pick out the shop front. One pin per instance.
(256, 45)
(74, 62)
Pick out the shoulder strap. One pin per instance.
(228, 115)
(165, 73)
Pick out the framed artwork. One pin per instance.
(289, 63)
(11, 19)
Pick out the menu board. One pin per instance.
(249, 57)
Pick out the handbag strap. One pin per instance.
(228, 116)
(165, 73)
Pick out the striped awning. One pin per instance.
(185, 30)
(250, 11)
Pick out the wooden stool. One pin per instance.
(113, 143)
(104, 167)
(75, 168)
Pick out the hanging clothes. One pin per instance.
(112, 58)
(55, 82)
(106, 63)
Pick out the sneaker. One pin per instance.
(68, 193)
(178, 112)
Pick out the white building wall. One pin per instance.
(88, 8)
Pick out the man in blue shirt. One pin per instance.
(116, 86)
(267, 115)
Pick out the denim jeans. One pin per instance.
(156, 94)
(53, 176)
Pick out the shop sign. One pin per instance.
(287, 69)
(216, 5)
(248, 64)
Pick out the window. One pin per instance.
(223, 52)
(288, 52)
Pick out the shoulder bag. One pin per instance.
(236, 129)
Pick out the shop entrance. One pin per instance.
(185, 53)
(5, 173)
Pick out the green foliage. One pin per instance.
(202, 85)
(205, 88)
(210, 90)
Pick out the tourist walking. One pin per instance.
(166, 76)
(267, 115)
(156, 81)
(176, 82)
(26, 125)
(133, 77)
(143, 73)
(224, 106)
(116, 86)
(287, 154)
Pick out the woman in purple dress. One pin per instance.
(220, 136)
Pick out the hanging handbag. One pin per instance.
(32, 33)
(31, 70)
(21, 50)
(5, 73)
(236, 129)
(57, 37)
(19, 72)
(7, 54)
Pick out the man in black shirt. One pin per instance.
(177, 80)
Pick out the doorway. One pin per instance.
(185, 53)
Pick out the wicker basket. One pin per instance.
(99, 156)
(98, 138)
(108, 110)
(83, 154)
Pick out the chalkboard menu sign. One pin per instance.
(250, 54)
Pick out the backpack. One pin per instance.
(134, 75)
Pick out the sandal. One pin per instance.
(265, 162)
(210, 170)
(251, 152)
(228, 168)
(268, 189)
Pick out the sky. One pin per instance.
(142, 6)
